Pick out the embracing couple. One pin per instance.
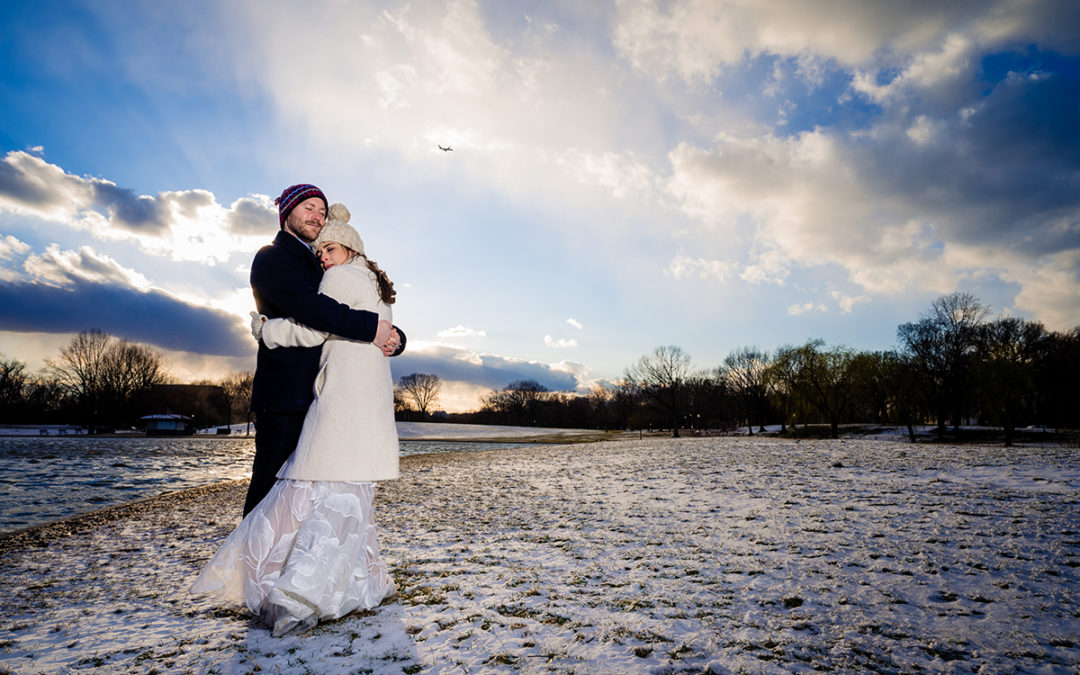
(323, 397)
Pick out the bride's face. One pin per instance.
(332, 253)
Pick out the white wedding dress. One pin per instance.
(306, 553)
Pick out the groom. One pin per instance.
(285, 278)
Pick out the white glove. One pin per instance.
(257, 321)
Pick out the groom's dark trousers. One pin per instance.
(285, 280)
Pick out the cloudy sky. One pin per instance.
(701, 173)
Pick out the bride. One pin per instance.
(308, 551)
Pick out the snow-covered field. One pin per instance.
(409, 431)
(714, 555)
(428, 430)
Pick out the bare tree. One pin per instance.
(825, 380)
(627, 406)
(1008, 350)
(104, 374)
(1056, 375)
(943, 343)
(128, 369)
(661, 378)
(79, 371)
(601, 398)
(47, 401)
(744, 371)
(871, 381)
(237, 387)
(12, 389)
(400, 404)
(421, 389)
(782, 381)
(711, 402)
(517, 401)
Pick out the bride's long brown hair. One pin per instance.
(386, 287)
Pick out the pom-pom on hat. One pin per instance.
(337, 229)
(293, 195)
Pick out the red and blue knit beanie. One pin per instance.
(293, 195)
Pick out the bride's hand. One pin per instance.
(257, 321)
(392, 343)
(382, 334)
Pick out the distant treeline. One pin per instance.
(105, 383)
(953, 367)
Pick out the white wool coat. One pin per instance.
(349, 432)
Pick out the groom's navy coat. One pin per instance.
(285, 279)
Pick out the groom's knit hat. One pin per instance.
(293, 195)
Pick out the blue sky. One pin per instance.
(625, 175)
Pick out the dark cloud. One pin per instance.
(188, 203)
(1003, 170)
(33, 183)
(136, 213)
(249, 217)
(493, 371)
(20, 182)
(151, 317)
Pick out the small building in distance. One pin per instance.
(203, 404)
(168, 424)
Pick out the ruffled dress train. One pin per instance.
(306, 553)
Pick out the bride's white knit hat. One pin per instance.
(337, 229)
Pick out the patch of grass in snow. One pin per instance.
(945, 652)
(503, 660)
(420, 595)
(518, 611)
(554, 619)
(632, 604)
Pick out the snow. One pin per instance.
(717, 555)
(410, 431)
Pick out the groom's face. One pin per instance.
(306, 220)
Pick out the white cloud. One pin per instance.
(924, 130)
(1049, 289)
(540, 114)
(932, 70)
(459, 331)
(769, 265)
(578, 370)
(575, 323)
(795, 310)
(820, 199)
(685, 267)
(182, 225)
(559, 344)
(480, 369)
(696, 39)
(620, 173)
(847, 302)
(64, 268)
(11, 247)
